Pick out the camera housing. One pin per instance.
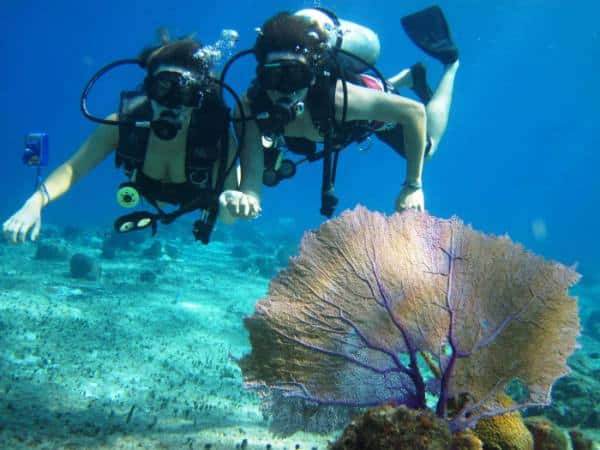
(36, 150)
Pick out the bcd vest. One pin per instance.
(207, 144)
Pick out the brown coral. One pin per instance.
(580, 442)
(547, 435)
(466, 440)
(506, 431)
(388, 428)
(346, 322)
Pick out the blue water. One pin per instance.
(521, 148)
(521, 144)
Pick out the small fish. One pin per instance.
(130, 414)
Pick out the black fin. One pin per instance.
(429, 31)
(419, 82)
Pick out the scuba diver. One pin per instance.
(316, 83)
(172, 137)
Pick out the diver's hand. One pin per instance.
(25, 222)
(240, 204)
(410, 198)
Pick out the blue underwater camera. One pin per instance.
(35, 153)
(36, 150)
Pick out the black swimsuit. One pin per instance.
(160, 191)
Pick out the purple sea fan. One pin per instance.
(348, 321)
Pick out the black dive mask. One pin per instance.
(167, 125)
(287, 74)
(173, 89)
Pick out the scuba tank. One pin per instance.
(355, 39)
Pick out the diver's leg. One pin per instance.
(414, 78)
(438, 108)
(401, 80)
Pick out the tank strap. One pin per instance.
(319, 99)
(321, 102)
(133, 141)
(329, 199)
(208, 129)
(207, 143)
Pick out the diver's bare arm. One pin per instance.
(367, 104)
(251, 159)
(231, 181)
(97, 146)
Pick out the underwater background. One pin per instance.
(520, 157)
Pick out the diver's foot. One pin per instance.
(452, 67)
(449, 55)
(419, 86)
(429, 30)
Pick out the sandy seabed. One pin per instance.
(116, 363)
(119, 363)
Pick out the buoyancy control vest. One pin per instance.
(207, 144)
(337, 134)
(345, 61)
(351, 49)
(320, 101)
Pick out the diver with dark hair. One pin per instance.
(172, 138)
(316, 83)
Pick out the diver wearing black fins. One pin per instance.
(429, 31)
(316, 83)
(171, 136)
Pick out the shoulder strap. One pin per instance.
(217, 121)
(208, 129)
(337, 135)
(208, 142)
(321, 102)
(133, 141)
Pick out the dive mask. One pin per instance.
(286, 74)
(174, 89)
